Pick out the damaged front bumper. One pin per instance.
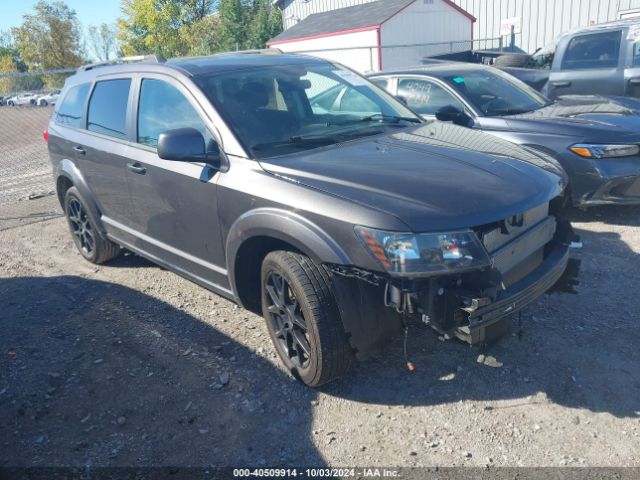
(516, 297)
(526, 261)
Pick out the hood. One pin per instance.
(583, 115)
(432, 177)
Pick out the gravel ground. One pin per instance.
(128, 364)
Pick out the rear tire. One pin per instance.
(43, 103)
(83, 229)
(303, 318)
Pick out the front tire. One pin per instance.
(303, 318)
(83, 229)
(43, 103)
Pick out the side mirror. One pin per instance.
(182, 145)
(449, 113)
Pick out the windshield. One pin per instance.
(275, 110)
(495, 93)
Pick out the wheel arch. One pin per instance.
(258, 232)
(67, 176)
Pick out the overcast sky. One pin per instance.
(89, 11)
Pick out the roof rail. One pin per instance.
(154, 58)
(260, 51)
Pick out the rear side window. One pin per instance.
(596, 50)
(71, 109)
(108, 107)
(162, 107)
(381, 82)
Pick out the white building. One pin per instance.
(536, 22)
(381, 34)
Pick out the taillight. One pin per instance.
(45, 135)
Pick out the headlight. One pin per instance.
(589, 150)
(425, 254)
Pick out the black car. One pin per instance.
(339, 226)
(596, 139)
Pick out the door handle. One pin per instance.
(136, 168)
(634, 81)
(79, 149)
(561, 84)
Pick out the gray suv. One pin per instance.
(340, 222)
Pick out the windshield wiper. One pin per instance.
(298, 141)
(373, 118)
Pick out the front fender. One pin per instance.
(67, 169)
(283, 225)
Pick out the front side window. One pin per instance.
(71, 109)
(162, 107)
(280, 109)
(495, 93)
(595, 50)
(108, 108)
(426, 97)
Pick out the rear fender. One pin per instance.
(66, 168)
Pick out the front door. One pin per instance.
(588, 64)
(174, 205)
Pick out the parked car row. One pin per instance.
(340, 211)
(28, 98)
(594, 138)
(601, 59)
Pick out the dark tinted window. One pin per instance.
(72, 107)
(426, 97)
(636, 54)
(162, 107)
(108, 107)
(596, 50)
(381, 82)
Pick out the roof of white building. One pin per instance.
(349, 19)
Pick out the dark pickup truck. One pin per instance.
(602, 59)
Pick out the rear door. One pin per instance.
(588, 64)
(100, 150)
(175, 211)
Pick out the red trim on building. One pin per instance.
(324, 35)
(461, 10)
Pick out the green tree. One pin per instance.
(202, 36)
(102, 41)
(275, 21)
(258, 25)
(7, 65)
(265, 23)
(233, 25)
(49, 37)
(161, 26)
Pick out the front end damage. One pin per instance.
(529, 253)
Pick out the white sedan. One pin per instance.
(22, 99)
(48, 99)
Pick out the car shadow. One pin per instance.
(628, 215)
(575, 350)
(97, 374)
